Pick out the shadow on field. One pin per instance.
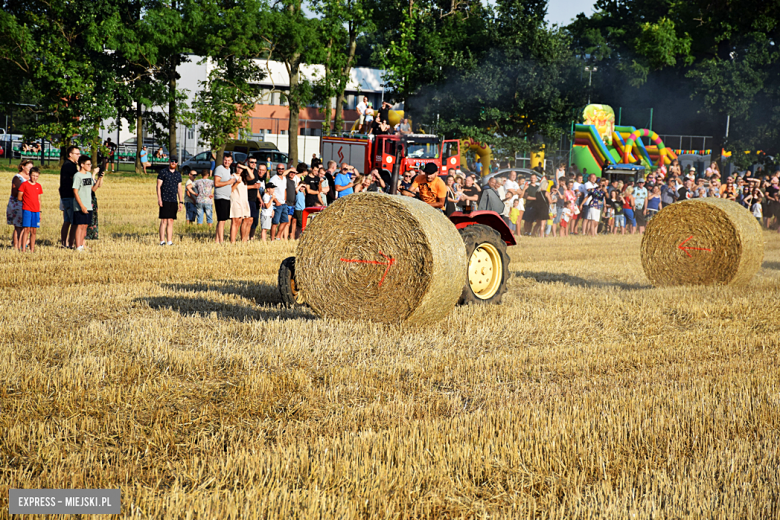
(544, 277)
(189, 306)
(259, 292)
(771, 265)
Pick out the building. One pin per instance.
(269, 120)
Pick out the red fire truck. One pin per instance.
(379, 151)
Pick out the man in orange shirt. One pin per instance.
(430, 188)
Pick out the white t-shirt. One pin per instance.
(361, 108)
(267, 212)
(281, 188)
(757, 210)
(511, 185)
(590, 186)
(566, 214)
(507, 206)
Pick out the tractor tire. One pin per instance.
(287, 287)
(488, 265)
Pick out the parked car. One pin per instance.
(271, 158)
(202, 161)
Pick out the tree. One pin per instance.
(293, 39)
(58, 52)
(232, 40)
(343, 21)
(228, 95)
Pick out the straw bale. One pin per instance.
(344, 269)
(707, 241)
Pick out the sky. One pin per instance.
(562, 12)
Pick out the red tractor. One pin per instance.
(485, 236)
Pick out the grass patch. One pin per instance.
(175, 374)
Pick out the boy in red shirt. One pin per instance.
(30, 194)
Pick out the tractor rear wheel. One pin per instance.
(288, 289)
(488, 265)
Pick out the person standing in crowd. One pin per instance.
(191, 198)
(315, 161)
(313, 188)
(595, 204)
(300, 205)
(240, 212)
(616, 201)
(223, 184)
(253, 186)
(530, 194)
(67, 204)
(668, 193)
(361, 110)
(267, 211)
(653, 203)
(324, 187)
(490, 200)
(772, 203)
(204, 187)
(628, 209)
(542, 207)
(143, 158)
(330, 176)
(281, 216)
(14, 212)
(170, 198)
(452, 196)
(640, 197)
(685, 193)
(83, 185)
(93, 230)
(29, 194)
(292, 196)
(343, 181)
(755, 206)
(111, 152)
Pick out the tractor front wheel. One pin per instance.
(288, 289)
(488, 265)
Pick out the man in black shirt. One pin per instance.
(312, 183)
(315, 162)
(68, 170)
(469, 195)
(685, 192)
(170, 197)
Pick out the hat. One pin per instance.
(692, 168)
(640, 179)
(430, 168)
(173, 158)
(270, 185)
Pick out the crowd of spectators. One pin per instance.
(250, 196)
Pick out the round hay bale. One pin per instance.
(702, 242)
(377, 257)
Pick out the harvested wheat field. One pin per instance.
(175, 374)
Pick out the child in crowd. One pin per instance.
(566, 216)
(514, 215)
(30, 194)
(267, 210)
(83, 186)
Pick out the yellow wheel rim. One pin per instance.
(485, 271)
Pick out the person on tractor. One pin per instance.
(429, 187)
